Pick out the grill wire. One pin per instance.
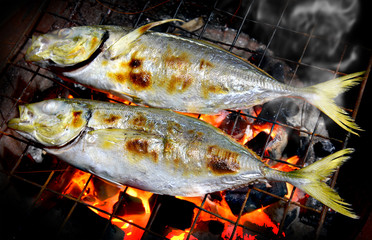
(174, 9)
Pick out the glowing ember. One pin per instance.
(108, 203)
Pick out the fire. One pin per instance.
(221, 208)
(215, 120)
(108, 202)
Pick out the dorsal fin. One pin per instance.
(122, 44)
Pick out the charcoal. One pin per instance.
(287, 107)
(103, 189)
(209, 230)
(257, 143)
(173, 213)
(216, 227)
(129, 205)
(234, 125)
(256, 200)
(293, 145)
(312, 218)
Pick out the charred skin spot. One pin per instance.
(178, 67)
(140, 147)
(111, 119)
(174, 128)
(208, 89)
(177, 62)
(118, 77)
(135, 63)
(190, 131)
(204, 64)
(222, 161)
(177, 161)
(179, 83)
(141, 79)
(77, 121)
(139, 120)
(133, 73)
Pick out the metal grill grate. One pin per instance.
(23, 79)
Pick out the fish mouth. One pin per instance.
(15, 123)
(36, 54)
(23, 123)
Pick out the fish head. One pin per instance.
(54, 122)
(65, 47)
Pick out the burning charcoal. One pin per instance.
(257, 144)
(216, 227)
(209, 230)
(172, 212)
(235, 125)
(129, 205)
(256, 200)
(103, 189)
(216, 196)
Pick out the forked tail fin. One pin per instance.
(310, 180)
(322, 96)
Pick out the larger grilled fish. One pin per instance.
(159, 150)
(168, 71)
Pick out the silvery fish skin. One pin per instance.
(167, 71)
(159, 150)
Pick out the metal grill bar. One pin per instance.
(71, 21)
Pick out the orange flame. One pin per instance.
(90, 196)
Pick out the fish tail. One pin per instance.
(310, 179)
(322, 96)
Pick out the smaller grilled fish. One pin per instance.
(168, 71)
(159, 150)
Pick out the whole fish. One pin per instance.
(167, 71)
(159, 150)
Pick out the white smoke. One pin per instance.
(330, 20)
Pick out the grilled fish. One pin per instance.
(167, 71)
(159, 150)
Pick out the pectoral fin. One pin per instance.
(123, 44)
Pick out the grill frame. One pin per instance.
(176, 6)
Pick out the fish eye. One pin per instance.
(51, 107)
(64, 32)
